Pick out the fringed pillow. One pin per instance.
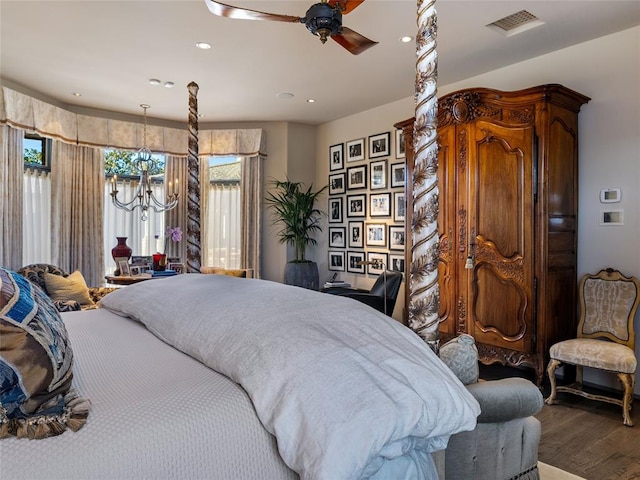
(36, 399)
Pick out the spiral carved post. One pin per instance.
(193, 185)
(424, 298)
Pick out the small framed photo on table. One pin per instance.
(336, 157)
(136, 270)
(123, 266)
(177, 267)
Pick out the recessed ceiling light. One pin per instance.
(201, 115)
(154, 81)
(203, 45)
(406, 39)
(285, 95)
(76, 94)
(311, 100)
(169, 84)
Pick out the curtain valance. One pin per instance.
(27, 113)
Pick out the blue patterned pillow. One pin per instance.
(36, 399)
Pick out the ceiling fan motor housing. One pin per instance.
(323, 20)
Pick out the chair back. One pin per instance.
(608, 304)
(393, 281)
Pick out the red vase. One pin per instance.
(121, 250)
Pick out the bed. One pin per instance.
(217, 377)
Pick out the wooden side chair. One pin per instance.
(605, 339)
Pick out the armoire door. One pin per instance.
(497, 282)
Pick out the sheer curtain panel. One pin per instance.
(77, 186)
(11, 196)
(36, 241)
(223, 227)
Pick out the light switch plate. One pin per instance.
(610, 195)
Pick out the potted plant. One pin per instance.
(294, 209)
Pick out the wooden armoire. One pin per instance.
(508, 196)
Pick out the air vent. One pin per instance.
(516, 23)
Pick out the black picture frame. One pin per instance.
(396, 237)
(336, 157)
(357, 205)
(336, 260)
(337, 183)
(355, 150)
(400, 144)
(396, 263)
(380, 204)
(379, 145)
(335, 210)
(353, 258)
(355, 234)
(357, 177)
(397, 175)
(379, 268)
(399, 206)
(337, 237)
(376, 234)
(378, 175)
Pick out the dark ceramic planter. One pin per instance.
(302, 274)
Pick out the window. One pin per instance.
(36, 151)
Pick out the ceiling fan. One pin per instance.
(323, 19)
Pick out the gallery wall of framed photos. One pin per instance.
(366, 206)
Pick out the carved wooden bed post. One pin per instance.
(193, 185)
(424, 298)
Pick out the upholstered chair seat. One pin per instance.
(593, 353)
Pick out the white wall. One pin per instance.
(608, 71)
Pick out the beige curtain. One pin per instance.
(77, 187)
(251, 204)
(175, 169)
(11, 196)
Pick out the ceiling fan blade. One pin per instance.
(353, 41)
(349, 5)
(229, 11)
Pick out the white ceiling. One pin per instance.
(108, 50)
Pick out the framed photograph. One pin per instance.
(397, 175)
(335, 209)
(357, 205)
(353, 258)
(177, 267)
(376, 234)
(400, 146)
(337, 237)
(378, 173)
(357, 177)
(356, 235)
(396, 263)
(355, 150)
(396, 237)
(336, 184)
(379, 145)
(336, 157)
(399, 206)
(380, 265)
(123, 266)
(136, 270)
(336, 261)
(380, 204)
(142, 261)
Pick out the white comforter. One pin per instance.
(348, 393)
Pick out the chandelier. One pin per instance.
(144, 198)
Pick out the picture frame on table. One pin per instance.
(380, 204)
(399, 206)
(336, 261)
(396, 237)
(376, 234)
(336, 157)
(337, 184)
(381, 262)
(123, 266)
(357, 177)
(378, 174)
(396, 263)
(355, 150)
(355, 230)
(357, 205)
(397, 175)
(353, 259)
(136, 270)
(177, 267)
(379, 145)
(400, 144)
(335, 209)
(337, 237)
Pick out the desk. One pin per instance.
(127, 280)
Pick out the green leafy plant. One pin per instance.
(294, 208)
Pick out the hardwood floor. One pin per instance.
(584, 437)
